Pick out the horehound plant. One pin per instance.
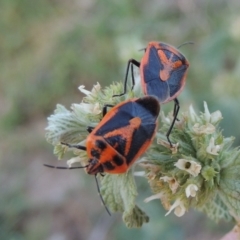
(201, 170)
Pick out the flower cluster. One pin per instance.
(201, 170)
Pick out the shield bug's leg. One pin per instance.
(104, 110)
(176, 108)
(98, 189)
(130, 62)
(175, 113)
(133, 78)
(75, 146)
(89, 129)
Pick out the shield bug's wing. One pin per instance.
(163, 71)
(116, 126)
(174, 69)
(147, 109)
(150, 69)
(159, 89)
(116, 118)
(128, 129)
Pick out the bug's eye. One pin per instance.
(100, 144)
(95, 153)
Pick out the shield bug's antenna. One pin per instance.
(98, 189)
(143, 49)
(185, 44)
(51, 166)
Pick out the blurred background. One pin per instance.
(50, 47)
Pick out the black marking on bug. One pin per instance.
(108, 165)
(118, 160)
(118, 143)
(100, 144)
(95, 153)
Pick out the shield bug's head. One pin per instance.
(94, 166)
(104, 155)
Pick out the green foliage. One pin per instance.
(119, 193)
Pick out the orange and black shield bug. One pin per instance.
(121, 137)
(163, 72)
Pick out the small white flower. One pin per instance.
(191, 167)
(216, 117)
(73, 160)
(151, 175)
(96, 88)
(83, 90)
(211, 117)
(150, 166)
(191, 190)
(179, 208)
(162, 197)
(87, 108)
(212, 148)
(173, 184)
(165, 119)
(203, 129)
(166, 178)
(82, 159)
(207, 114)
(192, 114)
(181, 123)
(153, 169)
(96, 108)
(153, 197)
(166, 144)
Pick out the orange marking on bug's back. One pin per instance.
(119, 169)
(124, 167)
(126, 132)
(168, 65)
(177, 64)
(134, 124)
(105, 155)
